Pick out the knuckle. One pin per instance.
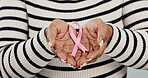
(98, 20)
(91, 23)
(59, 22)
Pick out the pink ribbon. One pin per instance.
(76, 39)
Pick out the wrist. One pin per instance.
(45, 32)
(110, 31)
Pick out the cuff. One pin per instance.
(44, 42)
(114, 38)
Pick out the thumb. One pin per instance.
(97, 53)
(52, 33)
(61, 28)
(92, 55)
(57, 29)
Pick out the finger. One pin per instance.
(61, 26)
(68, 46)
(54, 29)
(96, 46)
(92, 55)
(91, 30)
(90, 48)
(68, 42)
(102, 33)
(67, 36)
(78, 55)
(92, 42)
(92, 61)
(95, 28)
(71, 61)
(62, 55)
(82, 61)
(97, 53)
(85, 40)
(101, 39)
(92, 26)
(86, 33)
(102, 49)
(52, 32)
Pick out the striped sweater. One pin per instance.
(25, 52)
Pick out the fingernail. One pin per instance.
(82, 65)
(71, 66)
(88, 59)
(101, 43)
(49, 43)
(63, 60)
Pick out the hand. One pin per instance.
(98, 35)
(58, 34)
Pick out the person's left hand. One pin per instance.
(98, 35)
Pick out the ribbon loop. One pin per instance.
(76, 39)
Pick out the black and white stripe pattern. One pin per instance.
(25, 51)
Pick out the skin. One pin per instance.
(94, 31)
(57, 33)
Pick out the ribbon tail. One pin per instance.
(82, 47)
(74, 51)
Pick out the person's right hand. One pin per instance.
(58, 34)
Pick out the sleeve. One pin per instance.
(20, 56)
(129, 45)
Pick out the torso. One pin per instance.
(109, 11)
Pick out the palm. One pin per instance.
(61, 41)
